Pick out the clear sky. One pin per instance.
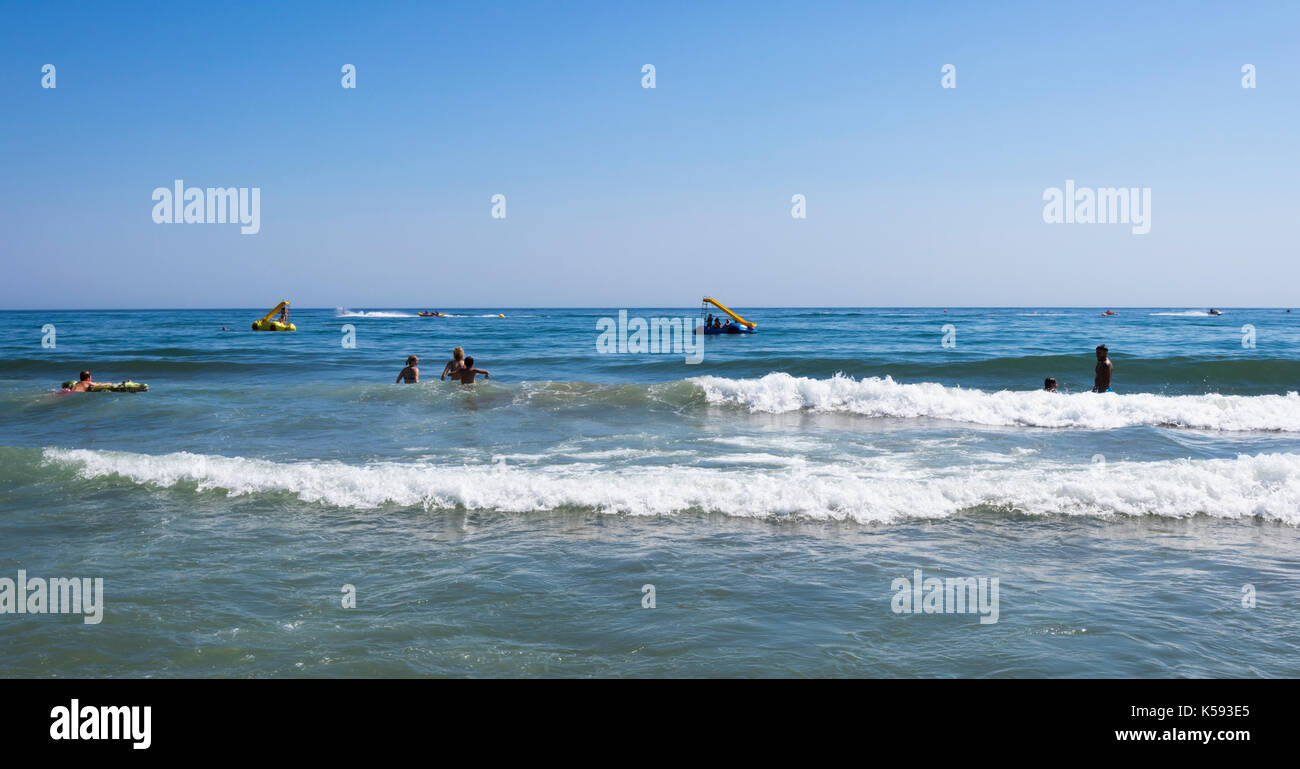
(619, 195)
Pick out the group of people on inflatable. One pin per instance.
(712, 322)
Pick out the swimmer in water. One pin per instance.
(410, 374)
(1101, 382)
(466, 374)
(455, 365)
(1049, 384)
(85, 383)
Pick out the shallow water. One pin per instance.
(771, 494)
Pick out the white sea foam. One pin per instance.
(345, 313)
(875, 397)
(1265, 486)
(1186, 314)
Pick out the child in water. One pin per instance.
(467, 373)
(410, 374)
(455, 365)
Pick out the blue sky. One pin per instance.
(617, 195)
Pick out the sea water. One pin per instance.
(276, 506)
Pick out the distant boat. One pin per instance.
(431, 314)
(1214, 311)
(740, 326)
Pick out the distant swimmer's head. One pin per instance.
(411, 361)
(458, 353)
(1049, 384)
(85, 376)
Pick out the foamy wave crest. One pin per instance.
(1265, 486)
(876, 397)
(1186, 314)
(345, 313)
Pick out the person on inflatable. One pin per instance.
(85, 383)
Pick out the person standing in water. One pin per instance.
(1101, 382)
(1049, 384)
(466, 374)
(455, 365)
(410, 374)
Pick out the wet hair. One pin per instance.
(412, 360)
(457, 353)
(1049, 382)
(469, 363)
(1102, 348)
(85, 375)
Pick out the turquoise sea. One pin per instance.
(767, 498)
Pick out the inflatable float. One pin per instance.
(431, 314)
(741, 326)
(280, 324)
(121, 387)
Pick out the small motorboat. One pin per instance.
(1214, 311)
(431, 314)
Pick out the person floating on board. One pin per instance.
(1101, 382)
(85, 383)
(455, 365)
(410, 374)
(466, 374)
(1049, 384)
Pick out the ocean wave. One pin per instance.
(1187, 314)
(876, 397)
(1265, 486)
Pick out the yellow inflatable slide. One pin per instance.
(279, 324)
